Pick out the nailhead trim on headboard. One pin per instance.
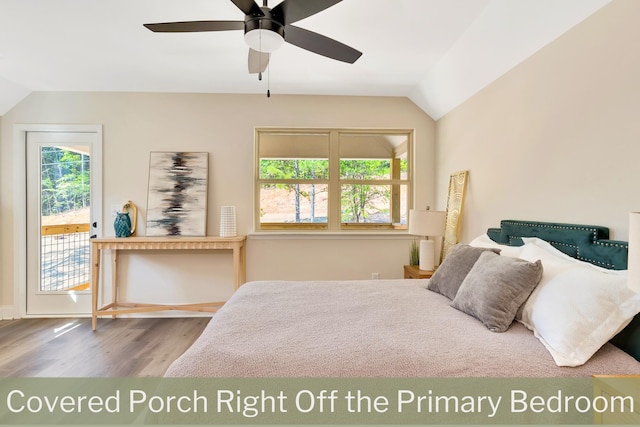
(584, 242)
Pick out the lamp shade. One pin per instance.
(634, 251)
(426, 223)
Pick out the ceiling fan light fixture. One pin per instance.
(263, 40)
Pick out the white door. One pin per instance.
(62, 213)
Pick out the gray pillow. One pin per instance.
(449, 276)
(496, 287)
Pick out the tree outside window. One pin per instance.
(332, 179)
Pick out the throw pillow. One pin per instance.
(495, 288)
(449, 276)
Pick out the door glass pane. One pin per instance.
(65, 217)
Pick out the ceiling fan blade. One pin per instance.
(290, 11)
(248, 7)
(258, 61)
(195, 26)
(317, 43)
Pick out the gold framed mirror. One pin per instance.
(455, 202)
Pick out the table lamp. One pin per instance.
(427, 223)
(634, 252)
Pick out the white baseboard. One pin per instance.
(6, 312)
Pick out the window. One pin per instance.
(326, 179)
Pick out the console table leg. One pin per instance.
(243, 265)
(239, 266)
(114, 278)
(95, 277)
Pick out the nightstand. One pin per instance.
(414, 272)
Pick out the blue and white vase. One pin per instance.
(122, 224)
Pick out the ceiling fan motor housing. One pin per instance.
(263, 33)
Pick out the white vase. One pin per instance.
(228, 221)
(427, 255)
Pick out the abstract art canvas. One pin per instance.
(177, 199)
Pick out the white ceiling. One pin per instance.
(436, 52)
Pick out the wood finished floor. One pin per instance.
(118, 348)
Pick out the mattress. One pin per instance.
(373, 328)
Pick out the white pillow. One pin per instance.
(552, 266)
(548, 248)
(577, 307)
(484, 241)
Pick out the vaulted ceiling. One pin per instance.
(436, 52)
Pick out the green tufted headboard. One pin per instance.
(588, 243)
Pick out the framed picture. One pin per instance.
(177, 197)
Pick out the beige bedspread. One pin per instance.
(385, 328)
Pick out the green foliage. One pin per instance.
(294, 169)
(414, 254)
(365, 169)
(358, 201)
(309, 169)
(65, 180)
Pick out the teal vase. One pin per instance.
(122, 224)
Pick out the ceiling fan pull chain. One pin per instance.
(269, 82)
(260, 57)
(260, 73)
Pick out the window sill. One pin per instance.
(324, 235)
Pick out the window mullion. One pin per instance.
(334, 181)
(394, 203)
(292, 181)
(374, 182)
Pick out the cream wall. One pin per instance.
(223, 125)
(3, 305)
(558, 137)
(555, 139)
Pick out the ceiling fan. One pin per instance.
(266, 29)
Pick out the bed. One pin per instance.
(560, 327)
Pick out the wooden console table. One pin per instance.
(114, 244)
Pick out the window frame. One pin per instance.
(335, 182)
